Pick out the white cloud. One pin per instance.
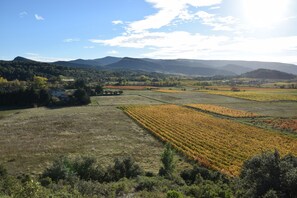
(23, 14)
(38, 17)
(117, 22)
(217, 22)
(113, 52)
(214, 7)
(167, 12)
(181, 44)
(89, 47)
(70, 40)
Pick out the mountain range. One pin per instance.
(190, 67)
(180, 66)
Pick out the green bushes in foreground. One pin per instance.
(265, 175)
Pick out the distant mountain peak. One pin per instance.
(268, 74)
(22, 59)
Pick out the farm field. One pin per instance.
(275, 109)
(32, 138)
(168, 91)
(122, 99)
(285, 124)
(223, 110)
(218, 143)
(260, 95)
(128, 87)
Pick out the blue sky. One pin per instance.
(49, 30)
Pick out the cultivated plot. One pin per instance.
(218, 143)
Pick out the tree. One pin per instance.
(268, 174)
(80, 84)
(39, 82)
(99, 90)
(3, 80)
(168, 162)
(81, 97)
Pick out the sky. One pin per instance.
(51, 30)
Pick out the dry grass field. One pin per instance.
(32, 138)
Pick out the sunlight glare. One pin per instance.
(264, 13)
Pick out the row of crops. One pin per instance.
(217, 143)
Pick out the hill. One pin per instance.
(89, 63)
(236, 69)
(25, 69)
(173, 66)
(268, 74)
(253, 65)
(168, 67)
(22, 59)
(180, 66)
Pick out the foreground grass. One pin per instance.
(32, 138)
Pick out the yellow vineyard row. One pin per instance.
(223, 110)
(259, 95)
(216, 143)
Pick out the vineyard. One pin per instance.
(224, 111)
(283, 124)
(217, 143)
(260, 95)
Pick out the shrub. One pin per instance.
(168, 162)
(60, 170)
(268, 174)
(174, 194)
(81, 97)
(86, 168)
(147, 183)
(123, 167)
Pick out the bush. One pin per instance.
(81, 97)
(268, 174)
(208, 189)
(174, 194)
(199, 174)
(60, 170)
(3, 171)
(86, 168)
(123, 167)
(147, 183)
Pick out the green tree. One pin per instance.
(40, 82)
(269, 175)
(80, 84)
(81, 97)
(99, 90)
(168, 162)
